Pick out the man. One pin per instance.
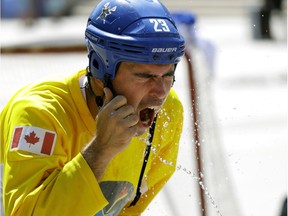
(80, 145)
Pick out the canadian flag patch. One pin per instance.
(33, 139)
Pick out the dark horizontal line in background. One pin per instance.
(22, 50)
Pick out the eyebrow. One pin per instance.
(171, 72)
(148, 74)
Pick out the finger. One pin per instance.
(123, 111)
(131, 120)
(116, 103)
(108, 96)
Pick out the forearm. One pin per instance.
(96, 158)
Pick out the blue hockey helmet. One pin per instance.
(140, 31)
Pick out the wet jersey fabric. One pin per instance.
(43, 129)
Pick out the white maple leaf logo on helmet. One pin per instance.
(106, 10)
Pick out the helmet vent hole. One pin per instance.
(95, 64)
(116, 48)
(132, 51)
(101, 41)
(155, 57)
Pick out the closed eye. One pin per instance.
(144, 75)
(169, 74)
(148, 75)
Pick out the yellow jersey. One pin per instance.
(45, 125)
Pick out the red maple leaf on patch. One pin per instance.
(31, 138)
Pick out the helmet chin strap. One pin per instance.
(108, 84)
(98, 99)
(145, 161)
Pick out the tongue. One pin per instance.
(145, 116)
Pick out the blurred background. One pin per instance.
(232, 82)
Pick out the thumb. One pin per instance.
(108, 96)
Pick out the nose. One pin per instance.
(159, 88)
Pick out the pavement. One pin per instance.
(242, 109)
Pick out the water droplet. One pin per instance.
(165, 124)
(201, 174)
(153, 149)
(170, 163)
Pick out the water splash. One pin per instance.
(203, 187)
(155, 151)
(165, 161)
(188, 172)
(170, 163)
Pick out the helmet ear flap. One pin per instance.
(96, 65)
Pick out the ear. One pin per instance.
(97, 86)
(97, 82)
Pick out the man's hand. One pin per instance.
(115, 126)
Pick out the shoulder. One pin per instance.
(173, 105)
(41, 101)
(171, 113)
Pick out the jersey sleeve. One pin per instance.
(37, 183)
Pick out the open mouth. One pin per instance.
(147, 116)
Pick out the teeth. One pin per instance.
(146, 122)
(154, 108)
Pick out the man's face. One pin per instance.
(146, 87)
